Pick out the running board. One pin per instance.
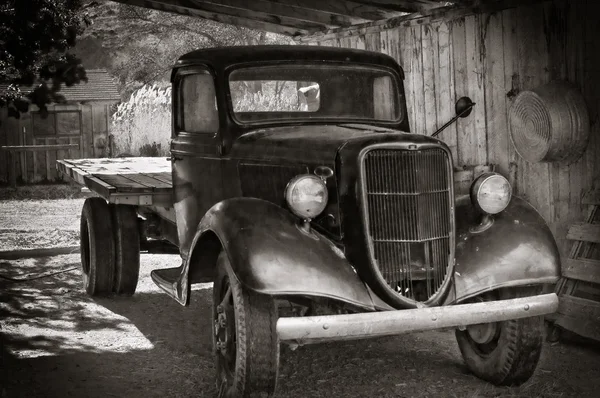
(170, 280)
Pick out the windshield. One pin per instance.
(293, 92)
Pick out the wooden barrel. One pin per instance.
(550, 123)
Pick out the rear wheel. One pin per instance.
(245, 337)
(504, 353)
(97, 247)
(127, 249)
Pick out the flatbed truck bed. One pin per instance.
(144, 181)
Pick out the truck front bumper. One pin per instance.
(316, 329)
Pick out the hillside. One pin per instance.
(138, 46)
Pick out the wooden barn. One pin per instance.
(78, 128)
(492, 51)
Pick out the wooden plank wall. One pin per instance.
(35, 167)
(490, 58)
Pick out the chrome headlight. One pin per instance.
(306, 195)
(491, 193)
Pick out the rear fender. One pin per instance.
(270, 254)
(518, 249)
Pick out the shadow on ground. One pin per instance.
(58, 342)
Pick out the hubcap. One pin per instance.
(483, 333)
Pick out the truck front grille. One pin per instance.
(408, 205)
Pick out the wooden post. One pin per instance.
(12, 167)
(46, 143)
(23, 156)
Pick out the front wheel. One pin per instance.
(244, 337)
(504, 353)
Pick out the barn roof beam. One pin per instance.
(310, 20)
(249, 19)
(295, 9)
(289, 17)
(406, 6)
(458, 9)
(352, 9)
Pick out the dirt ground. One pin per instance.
(56, 342)
(37, 224)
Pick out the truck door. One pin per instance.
(196, 163)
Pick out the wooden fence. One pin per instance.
(579, 288)
(49, 165)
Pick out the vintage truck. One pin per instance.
(294, 182)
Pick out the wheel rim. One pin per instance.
(484, 337)
(483, 333)
(225, 334)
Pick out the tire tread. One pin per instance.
(127, 249)
(257, 358)
(95, 217)
(515, 362)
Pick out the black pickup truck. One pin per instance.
(295, 183)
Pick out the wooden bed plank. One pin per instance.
(100, 187)
(123, 184)
(122, 165)
(78, 175)
(144, 179)
(166, 177)
(142, 182)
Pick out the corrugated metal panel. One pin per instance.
(99, 87)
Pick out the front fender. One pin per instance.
(270, 254)
(518, 249)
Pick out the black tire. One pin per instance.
(127, 249)
(512, 354)
(97, 247)
(247, 366)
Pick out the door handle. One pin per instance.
(174, 158)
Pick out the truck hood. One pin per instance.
(268, 159)
(314, 143)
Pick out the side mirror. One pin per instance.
(463, 107)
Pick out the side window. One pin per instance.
(197, 104)
(384, 100)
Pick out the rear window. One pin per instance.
(308, 91)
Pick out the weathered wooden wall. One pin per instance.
(40, 166)
(490, 58)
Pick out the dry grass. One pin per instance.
(142, 125)
(272, 97)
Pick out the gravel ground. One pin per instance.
(57, 342)
(35, 224)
